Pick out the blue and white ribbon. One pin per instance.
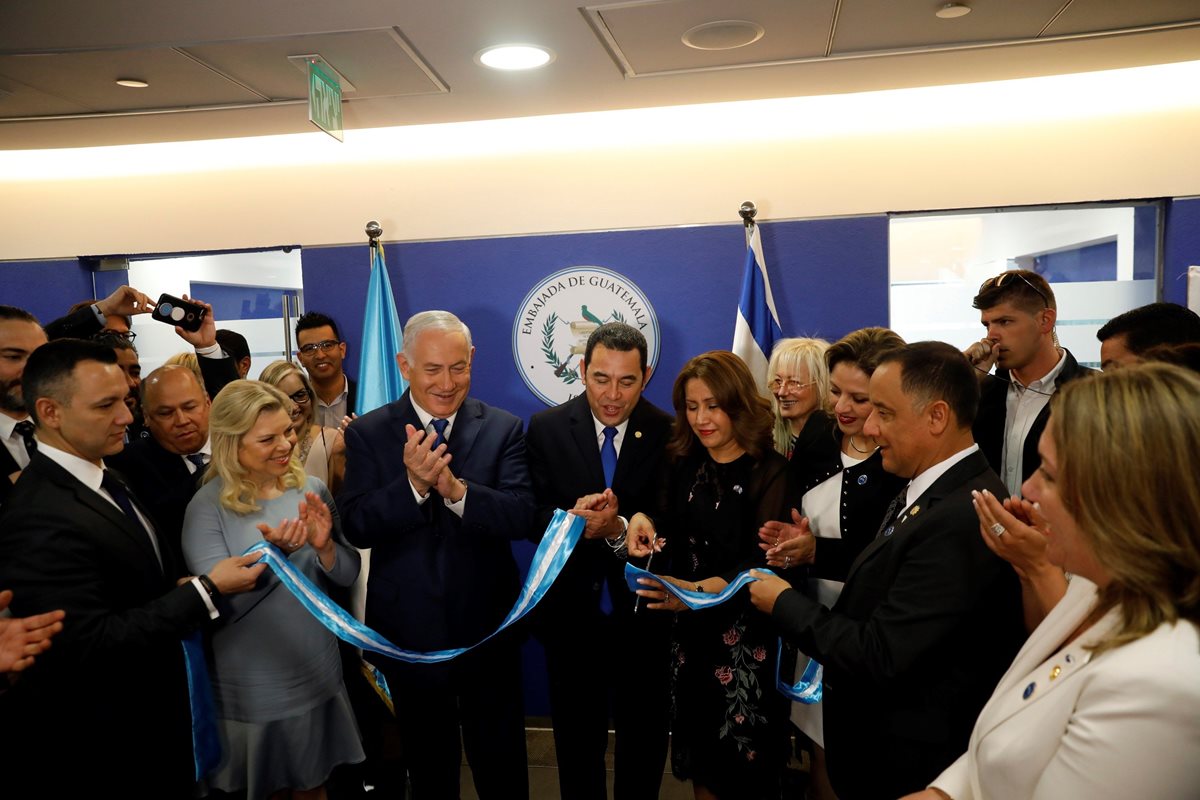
(807, 690)
(548, 561)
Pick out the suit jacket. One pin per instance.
(8, 465)
(1124, 723)
(993, 411)
(437, 580)
(163, 483)
(108, 703)
(923, 628)
(867, 490)
(564, 462)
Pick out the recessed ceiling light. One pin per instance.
(725, 34)
(514, 56)
(132, 83)
(952, 11)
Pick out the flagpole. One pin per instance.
(747, 212)
(374, 230)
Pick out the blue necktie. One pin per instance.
(439, 427)
(608, 456)
(197, 460)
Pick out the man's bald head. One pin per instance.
(176, 409)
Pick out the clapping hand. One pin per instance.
(1012, 530)
(424, 462)
(788, 545)
(21, 639)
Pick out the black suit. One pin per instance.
(440, 581)
(8, 465)
(927, 623)
(107, 705)
(585, 648)
(162, 480)
(993, 411)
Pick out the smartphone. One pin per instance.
(175, 311)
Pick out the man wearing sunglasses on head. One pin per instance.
(322, 352)
(1018, 310)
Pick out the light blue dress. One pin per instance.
(283, 712)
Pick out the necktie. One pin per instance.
(893, 511)
(117, 491)
(198, 461)
(608, 456)
(25, 428)
(439, 427)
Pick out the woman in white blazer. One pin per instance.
(1103, 701)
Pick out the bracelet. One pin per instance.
(209, 586)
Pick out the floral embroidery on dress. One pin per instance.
(743, 690)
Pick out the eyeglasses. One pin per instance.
(313, 347)
(788, 386)
(128, 336)
(999, 281)
(300, 397)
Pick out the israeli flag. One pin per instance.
(757, 327)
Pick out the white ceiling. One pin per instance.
(220, 68)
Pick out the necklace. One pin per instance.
(307, 444)
(856, 448)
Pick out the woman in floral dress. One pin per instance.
(729, 724)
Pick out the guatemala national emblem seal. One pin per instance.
(558, 315)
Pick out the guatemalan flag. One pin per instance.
(379, 378)
(757, 327)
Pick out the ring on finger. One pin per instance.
(998, 529)
(787, 561)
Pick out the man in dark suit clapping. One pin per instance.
(437, 486)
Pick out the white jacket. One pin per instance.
(1063, 724)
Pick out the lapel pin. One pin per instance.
(1054, 673)
(888, 530)
(915, 510)
(637, 434)
(1029, 691)
(862, 480)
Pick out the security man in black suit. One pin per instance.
(929, 618)
(601, 454)
(165, 468)
(20, 335)
(106, 708)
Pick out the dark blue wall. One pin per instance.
(46, 289)
(1181, 247)
(829, 277)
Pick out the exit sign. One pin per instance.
(324, 101)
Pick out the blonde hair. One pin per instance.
(188, 360)
(1127, 444)
(788, 357)
(276, 371)
(234, 412)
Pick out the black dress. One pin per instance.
(729, 724)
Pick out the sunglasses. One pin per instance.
(1005, 277)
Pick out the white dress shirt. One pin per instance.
(918, 485)
(1022, 406)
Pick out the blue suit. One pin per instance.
(440, 581)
